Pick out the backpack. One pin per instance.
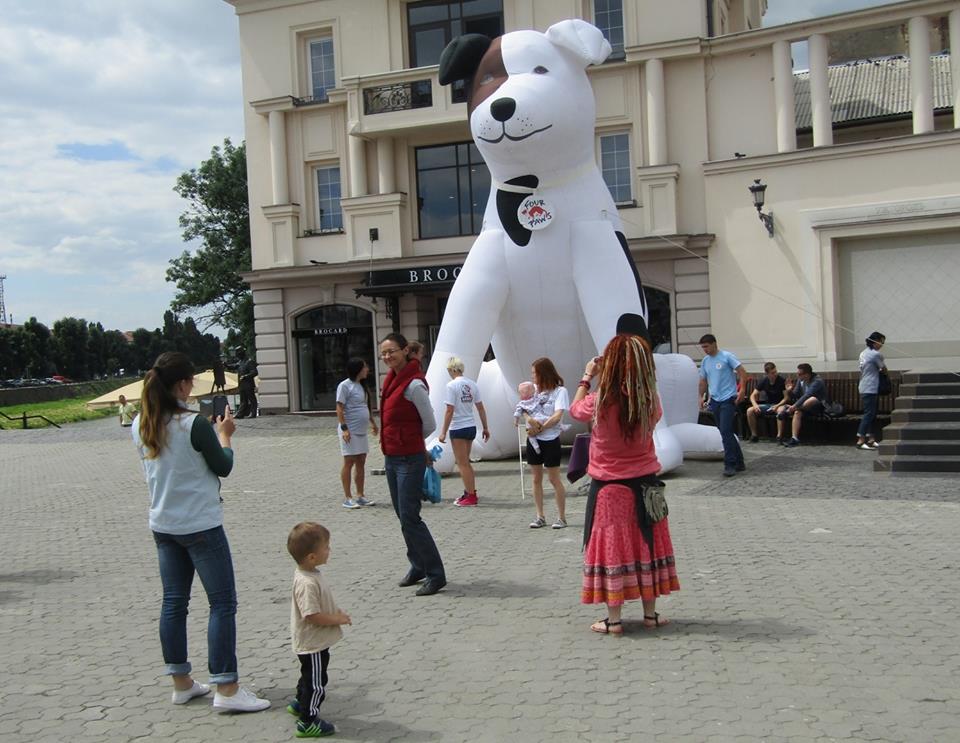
(833, 409)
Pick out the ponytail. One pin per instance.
(157, 402)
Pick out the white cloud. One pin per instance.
(156, 82)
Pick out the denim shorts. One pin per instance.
(469, 433)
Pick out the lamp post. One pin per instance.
(758, 191)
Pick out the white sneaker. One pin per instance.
(197, 690)
(350, 503)
(242, 701)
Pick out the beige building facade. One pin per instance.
(366, 192)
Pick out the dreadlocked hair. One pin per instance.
(628, 380)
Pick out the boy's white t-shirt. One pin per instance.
(550, 402)
(462, 394)
(311, 596)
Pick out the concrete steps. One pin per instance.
(924, 432)
(924, 415)
(919, 463)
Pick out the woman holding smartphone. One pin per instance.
(184, 456)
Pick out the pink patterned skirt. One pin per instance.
(617, 564)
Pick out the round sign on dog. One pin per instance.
(535, 213)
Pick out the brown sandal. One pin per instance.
(606, 627)
(655, 620)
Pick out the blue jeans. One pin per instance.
(405, 480)
(724, 412)
(870, 404)
(208, 554)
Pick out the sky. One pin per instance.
(103, 103)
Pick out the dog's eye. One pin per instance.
(540, 70)
(488, 78)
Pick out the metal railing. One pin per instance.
(23, 417)
(402, 96)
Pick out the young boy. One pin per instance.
(315, 623)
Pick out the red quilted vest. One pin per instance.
(401, 429)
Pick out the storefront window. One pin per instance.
(326, 337)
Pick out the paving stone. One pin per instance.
(788, 626)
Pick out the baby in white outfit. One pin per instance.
(531, 407)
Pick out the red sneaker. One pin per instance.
(467, 499)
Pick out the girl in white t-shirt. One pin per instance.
(462, 396)
(353, 418)
(553, 399)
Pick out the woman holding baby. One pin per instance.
(552, 399)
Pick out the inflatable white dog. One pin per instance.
(550, 273)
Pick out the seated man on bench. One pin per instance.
(769, 396)
(809, 394)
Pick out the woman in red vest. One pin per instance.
(406, 419)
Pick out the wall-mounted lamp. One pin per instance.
(758, 191)
(374, 234)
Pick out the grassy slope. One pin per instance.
(68, 410)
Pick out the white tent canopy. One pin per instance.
(202, 387)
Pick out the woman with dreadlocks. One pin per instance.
(628, 553)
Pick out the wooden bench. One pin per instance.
(842, 387)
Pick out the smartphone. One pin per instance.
(219, 407)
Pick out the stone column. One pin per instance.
(820, 92)
(954, 21)
(783, 97)
(358, 165)
(921, 80)
(656, 100)
(278, 157)
(385, 167)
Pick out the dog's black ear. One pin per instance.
(461, 57)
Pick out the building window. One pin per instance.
(432, 24)
(615, 166)
(323, 76)
(329, 217)
(608, 17)
(453, 184)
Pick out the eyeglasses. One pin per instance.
(390, 352)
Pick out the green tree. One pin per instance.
(208, 279)
(118, 353)
(37, 349)
(96, 350)
(70, 342)
(11, 364)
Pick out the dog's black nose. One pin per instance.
(503, 108)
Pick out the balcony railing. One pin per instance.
(310, 100)
(402, 96)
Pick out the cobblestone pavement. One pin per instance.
(819, 601)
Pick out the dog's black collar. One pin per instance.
(508, 202)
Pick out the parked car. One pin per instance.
(60, 379)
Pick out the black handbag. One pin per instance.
(884, 387)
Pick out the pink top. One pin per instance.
(612, 456)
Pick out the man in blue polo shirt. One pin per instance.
(720, 372)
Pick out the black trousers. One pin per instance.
(248, 400)
(312, 686)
